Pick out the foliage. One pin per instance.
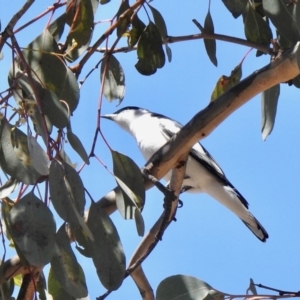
(36, 117)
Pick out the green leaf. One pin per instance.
(126, 204)
(39, 158)
(150, 52)
(227, 82)
(131, 182)
(67, 194)
(104, 1)
(6, 206)
(42, 125)
(107, 252)
(32, 228)
(54, 109)
(7, 288)
(252, 287)
(169, 53)
(8, 187)
(56, 28)
(139, 222)
(159, 22)
(113, 78)
(15, 158)
(77, 145)
(55, 288)
(80, 17)
(123, 25)
(257, 30)
(65, 267)
(269, 102)
(187, 288)
(236, 7)
(286, 18)
(49, 70)
(137, 29)
(210, 44)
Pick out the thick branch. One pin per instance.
(204, 122)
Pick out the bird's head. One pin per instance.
(126, 116)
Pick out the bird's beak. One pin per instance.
(109, 116)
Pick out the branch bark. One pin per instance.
(282, 69)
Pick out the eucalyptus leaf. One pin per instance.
(32, 228)
(56, 28)
(56, 289)
(131, 182)
(159, 22)
(7, 288)
(257, 30)
(269, 101)
(107, 252)
(77, 146)
(150, 52)
(226, 82)
(187, 288)
(66, 191)
(65, 267)
(285, 18)
(8, 187)
(15, 157)
(123, 25)
(236, 7)
(113, 78)
(80, 17)
(210, 44)
(38, 156)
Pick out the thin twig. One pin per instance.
(8, 31)
(281, 292)
(204, 35)
(77, 69)
(49, 9)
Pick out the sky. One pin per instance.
(207, 241)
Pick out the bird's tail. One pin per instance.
(233, 200)
(259, 231)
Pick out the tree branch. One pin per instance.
(9, 28)
(201, 125)
(199, 36)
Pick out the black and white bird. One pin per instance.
(203, 174)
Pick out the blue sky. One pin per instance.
(207, 241)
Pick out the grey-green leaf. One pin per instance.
(38, 156)
(65, 267)
(210, 44)
(32, 227)
(66, 191)
(107, 252)
(131, 182)
(159, 22)
(236, 7)
(285, 18)
(257, 30)
(169, 53)
(113, 78)
(54, 109)
(269, 102)
(15, 158)
(56, 28)
(186, 288)
(77, 146)
(8, 187)
(150, 52)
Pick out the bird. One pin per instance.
(203, 175)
